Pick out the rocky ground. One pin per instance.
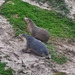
(70, 4)
(66, 47)
(10, 52)
(41, 5)
(23, 63)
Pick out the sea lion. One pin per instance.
(38, 33)
(35, 46)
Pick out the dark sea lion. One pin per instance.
(35, 46)
(38, 33)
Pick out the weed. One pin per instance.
(3, 71)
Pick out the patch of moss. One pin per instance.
(3, 71)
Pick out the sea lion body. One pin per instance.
(36, 46)
(38, 33)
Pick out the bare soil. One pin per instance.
(66, 47)
(70, 4)
(39, 4)
(28, 64)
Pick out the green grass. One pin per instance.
(55, 56)
(3, 71)
(56, 24)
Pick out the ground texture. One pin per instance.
(70, 4)
(23, 63)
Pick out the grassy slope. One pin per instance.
(56, 24)
(3, 71)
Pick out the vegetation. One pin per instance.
(3, 71)
(56, 24)
(58, 4)
(55, 56)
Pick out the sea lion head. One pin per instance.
(29, 24)
(27, 20)
(26, 37)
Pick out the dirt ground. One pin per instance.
(10, 52)
(67, 47)
(28, 64)
(41, 5)
(70, 4)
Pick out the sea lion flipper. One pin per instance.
(26, 50)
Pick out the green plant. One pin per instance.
(58, 4)
(55, 56)
(56, 24)
(60, 59)
(3, 71)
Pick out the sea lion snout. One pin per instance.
(25, 18)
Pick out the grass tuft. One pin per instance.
(3, 71)
(55, 56)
